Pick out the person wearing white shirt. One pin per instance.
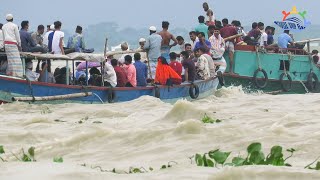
(264, 39)
(217, 50)
(57, 40)
(32, 76)
(110, 76)
(1, 37)
(12, 45)
(194, 39)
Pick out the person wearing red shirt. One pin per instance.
(227, 31)
(174, 64)
(121, 74)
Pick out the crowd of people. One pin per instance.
(198, 59)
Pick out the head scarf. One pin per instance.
(164, 72)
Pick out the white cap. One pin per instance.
(52, 26)
(153, 28)
(142, 40)
(9, 17)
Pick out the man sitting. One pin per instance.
(31, 76)
(141, 70)
(174, 64)
(120, 73)
(203, 43)
(189, 67)
(37, 36)
(131, 72)
(76, 41)
(283, 40)
(27, 43)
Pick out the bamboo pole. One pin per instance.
(232, 37)
(49, 98)
(103, 63)
(123, 52)
(308, 40)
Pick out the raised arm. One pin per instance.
(175, 41)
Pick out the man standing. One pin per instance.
(210, 15)
(203, 43)
(1, 38)
(12, 44)
(181, 43)
(27, 43)
(227, 31)
(57, 39)
(76, 41)
(202, 27)
(46, 36)
(37, 36)
(194, 39)
(217, 51)
(166, 38)
(153, 47)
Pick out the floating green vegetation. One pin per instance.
(23, 156)
(208, 120)
(255, 156)
(58, 159)
(132, 170)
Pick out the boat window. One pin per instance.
(284, 64)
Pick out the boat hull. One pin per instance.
(13, 87)
(247, 61)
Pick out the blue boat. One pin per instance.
(18, 89)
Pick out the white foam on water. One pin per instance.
(147, 132)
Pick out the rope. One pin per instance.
(258, 57)
(305, 88)
(98, 97)
(31, 89)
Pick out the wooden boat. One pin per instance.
(17, 89)
(273, 71)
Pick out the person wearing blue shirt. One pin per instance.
(203, 43)
(153, 48)
(77, 41)
(284, 39)
(27, 43)
(202, 27)
(141, 70)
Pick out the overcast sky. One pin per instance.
(143, 13)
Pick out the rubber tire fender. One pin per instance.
(282, 82)
(255, 80)
(194, 91)
(311, 87)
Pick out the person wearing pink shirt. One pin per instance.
(131, 72)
